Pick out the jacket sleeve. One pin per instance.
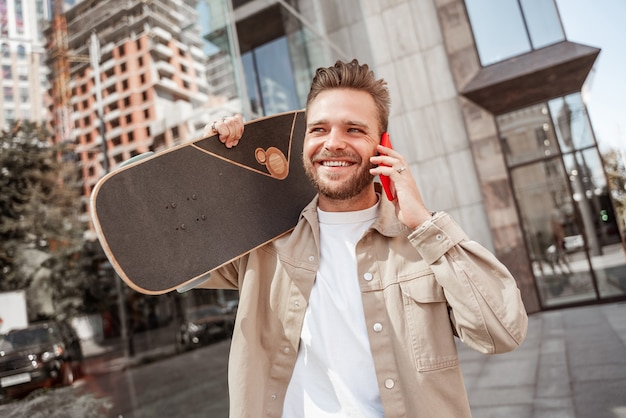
(487, 311)
(225, 277)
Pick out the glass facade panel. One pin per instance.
(542, 20)
(572, 122)
(561, 191)
(269, 78)
(498, 28)
(507, 28)
(529, 135)
(552, 233)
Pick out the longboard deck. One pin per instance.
(166, 221)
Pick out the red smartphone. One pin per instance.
(384, 180)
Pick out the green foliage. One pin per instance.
(616, 176)
(41, 236)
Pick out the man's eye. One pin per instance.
(355, 130)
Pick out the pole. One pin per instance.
(94, 55)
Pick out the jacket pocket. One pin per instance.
(428, 323)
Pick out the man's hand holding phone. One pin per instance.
(399, 185)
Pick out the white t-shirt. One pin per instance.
(334, 374)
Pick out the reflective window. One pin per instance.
(572, 123)
(570, 225)
(542, 19)
(269, 78)
(528, 135)
(507, 28)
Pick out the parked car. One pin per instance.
(204, 324)
(231, 306)
(41, 355)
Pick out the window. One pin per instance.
(4, 20)
(507, 28)
(571, 230)
(6, 72)
(22, 73)
(269, 78)
(21, 52)
(19, 16)
(8, 94)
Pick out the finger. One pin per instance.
(209, 129)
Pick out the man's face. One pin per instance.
(341, 136)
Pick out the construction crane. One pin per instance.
(60, 57)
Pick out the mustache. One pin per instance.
(327, 155)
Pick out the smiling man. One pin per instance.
(354, 313)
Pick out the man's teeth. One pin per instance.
(335, 164)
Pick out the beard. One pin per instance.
(347, 189)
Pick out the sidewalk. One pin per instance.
(572, 364)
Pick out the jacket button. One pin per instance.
(439, 237)
(286, 350)
(378, 327)
(368, 276)
(311, 258)
(389, 383)
(274, 397)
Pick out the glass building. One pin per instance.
(486, 107)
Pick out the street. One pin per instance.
(192, 384)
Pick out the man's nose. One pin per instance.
(334, 140)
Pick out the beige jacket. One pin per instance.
(419, 289)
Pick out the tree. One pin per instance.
(41, 235)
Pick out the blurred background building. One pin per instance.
(22, 51)
(487, 106)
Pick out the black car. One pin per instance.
(41, 355)
(204, 324)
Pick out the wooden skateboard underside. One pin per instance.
(169, 219)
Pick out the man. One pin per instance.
(353, 313)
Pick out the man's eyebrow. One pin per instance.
(317, 122)
(345, 122)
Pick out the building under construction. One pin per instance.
(146, 84)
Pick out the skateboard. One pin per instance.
(167, 220)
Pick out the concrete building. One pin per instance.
(22, 56)
(486, 107)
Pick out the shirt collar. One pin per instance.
(387, 222)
